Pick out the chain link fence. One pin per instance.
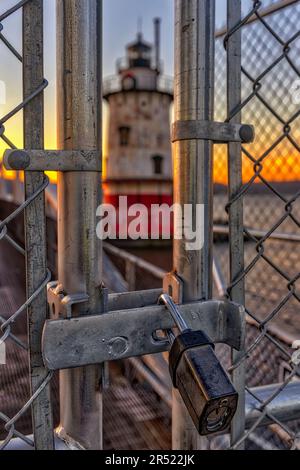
(271, 198)
(9, 321)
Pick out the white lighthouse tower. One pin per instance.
(138, 160)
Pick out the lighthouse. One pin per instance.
(138, 159)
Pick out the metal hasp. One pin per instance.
(119, 334)
(60, 304)
(199, 377)
(53, 160)
(217, 132)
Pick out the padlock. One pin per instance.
(198, 375)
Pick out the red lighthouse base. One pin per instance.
(142, 213)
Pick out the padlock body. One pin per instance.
(187, 340)
(206, 390)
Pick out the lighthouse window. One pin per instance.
(124, 136)
(158, 164)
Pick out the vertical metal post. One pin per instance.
(35, 220)
(193, 165)
(236, 238)
(79, 39)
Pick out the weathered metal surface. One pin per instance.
(61, 305)
(284, 407)
(129, 333)
(53, 160)
(35, 232)
(130, 300)
(193, 166)
(236, 233)
(79, 85)
(218, 132)
(173, 286)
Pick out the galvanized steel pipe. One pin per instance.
(79, 55)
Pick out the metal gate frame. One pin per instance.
(192, 278)
(79, 187)
(79, 295)
(194, 100)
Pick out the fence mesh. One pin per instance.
(271, 197)
(9, 322)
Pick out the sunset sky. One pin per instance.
(121, 18)
(120, 26)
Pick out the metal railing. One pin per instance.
(113, 84)
(123, 63)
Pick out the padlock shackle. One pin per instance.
(174, 311)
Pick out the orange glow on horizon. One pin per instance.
(270, 172)
(280, 170)
(282, 165)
